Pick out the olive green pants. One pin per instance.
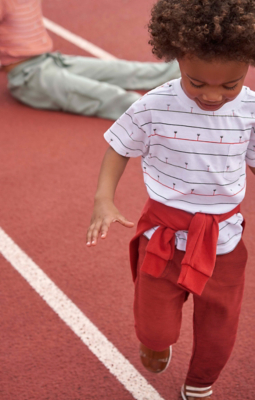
(85, 85)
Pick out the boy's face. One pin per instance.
(211, 84)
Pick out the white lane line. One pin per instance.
(97, 343)
(77, 40)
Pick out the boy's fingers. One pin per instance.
(104, 230)
(102, 226)
(89, 233)
(123, 221)
(93, 233)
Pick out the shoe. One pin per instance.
(155, 361)
(193, 393)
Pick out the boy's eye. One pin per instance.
(202, 85)
(196, 86)
(230, 87)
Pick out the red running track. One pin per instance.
(49, 164)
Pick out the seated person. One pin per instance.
(50, 80)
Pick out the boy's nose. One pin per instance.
(212, 97)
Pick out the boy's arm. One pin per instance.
(105, 212)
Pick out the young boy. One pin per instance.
(195, 135)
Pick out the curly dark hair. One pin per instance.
(207, 29)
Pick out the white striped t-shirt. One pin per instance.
(22, 33)
(192, 159)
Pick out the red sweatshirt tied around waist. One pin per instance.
(200, 256)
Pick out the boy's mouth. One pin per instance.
(210, 106)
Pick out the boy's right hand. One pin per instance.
(104, 214)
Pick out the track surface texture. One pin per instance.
(49, 163)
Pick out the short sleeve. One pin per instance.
(127, 136)
(250, 154)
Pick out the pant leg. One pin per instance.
(216, 315)
(131, 75)
(38, 83)
(43, 83)
(158, 303)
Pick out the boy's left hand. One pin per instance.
(104, 214)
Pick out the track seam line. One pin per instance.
(77, 40)
(68, 312)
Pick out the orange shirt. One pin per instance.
(22, 33)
